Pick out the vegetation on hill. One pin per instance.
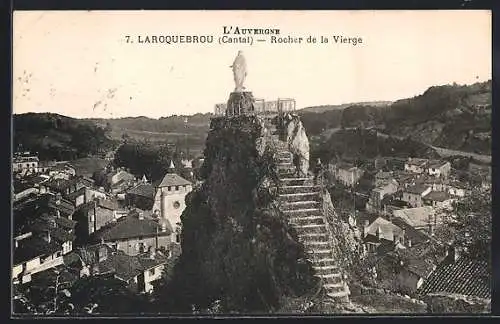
(362, 144)
(450, 116)
(58, 137)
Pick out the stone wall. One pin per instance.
(455, 303)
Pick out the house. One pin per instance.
(141, 196)
(33, 254)
(416, 165)
(381, 230)
(382, 178)
(45, 166)
(95, 214)
(136, 233)
(64, 186)
(170, 198)
(439, 169)
(25, 162)
(62, 170)
(117, 176)
(458, 189)
(380, 192)
(459, 274)
(437, 199)
(60, 229)
(405, 179)
(421, 218)
(414, 194)
(138, 272)
(346, 174)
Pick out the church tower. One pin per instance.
(170, 198)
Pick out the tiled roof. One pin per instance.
(61, 235)
(417, 162)
(130, 226)
(415, 217)
(172, 179)
(466, 276)
(127, 267)
(437, 164)
(108, 204)
(33, 247)
(437, 196)
(144, 190)
(417, 189)
(387, 229)
(72, 196)
(415, 236)
(65, 223)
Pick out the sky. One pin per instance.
(79, 64)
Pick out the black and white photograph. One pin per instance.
(251, 163)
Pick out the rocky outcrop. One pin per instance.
(236, 245)
(455, 303)
(298, 143)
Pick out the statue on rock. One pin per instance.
(239, 71)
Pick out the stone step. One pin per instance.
(317, 244)
(324, 262)
(339, 294)
(296, 181)
(330, 275)
(308, 220)
(319, 253)
(302, 212)
(314, 236)
(296, 189)
(306, 196)
(329, 268)
(311, 229)
(334, 287)
(301, 204)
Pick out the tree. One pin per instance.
(473, 225)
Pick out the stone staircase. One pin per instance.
(300, 200)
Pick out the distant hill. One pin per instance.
(58, 137)
(320, 109)
(451, 116)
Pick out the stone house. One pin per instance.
(380, 192)
(421, 218)
(438, 199)
(416, 165)
(414, 195)
(33, 254)
(141, 196)
(95, 214)
(439, 169)
(136, 233)
(381, 231)
(346, 174)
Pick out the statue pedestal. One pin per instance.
(240, 103)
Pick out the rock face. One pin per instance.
(240, 103)
(455, 303)
(298, 143)
(237, 247)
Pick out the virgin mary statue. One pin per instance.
(239, 71)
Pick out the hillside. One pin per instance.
(450, 116)
(323, 108)
(58, 137)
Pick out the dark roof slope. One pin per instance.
(33, 247)
(466, 276)
(130, 227)
(172, 179)
(143, 190)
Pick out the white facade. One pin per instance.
(170, 201)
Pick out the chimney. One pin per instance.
(152, 254)
(431, 230)
(164, 226)
(58, 213)
(17, 243)
(403, 236)
(365, 226)
(47, 236)
(408, 243)
(378, 232)
(141, 215)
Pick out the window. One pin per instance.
(177, 204)
(176, 188)
(152, 272)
